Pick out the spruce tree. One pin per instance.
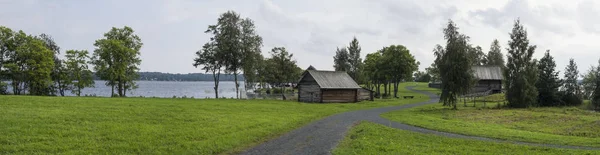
(548, 81)
(571, 88)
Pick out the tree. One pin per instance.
(251, 44)
(283, 68)
(6, 35)
(58, 72)
(476, 56)
(548, 81)
(421, 76)
(354, 60)
(400, 63)
(237, 44)
(61, 77)
(494, 56)
(589, 82)
(571, 86)
(116, 59)
(595, 99)
(520, 72)
(211, 62)
(454, 65)
(432, 70)
(340, 60)
(372, 71)
(29, 65)
(80, 74)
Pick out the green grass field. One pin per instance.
(554, 125)
(81, 125)
(371, 138)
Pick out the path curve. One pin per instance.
(322, 136)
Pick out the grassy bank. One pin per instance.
(371, 138)
(552, 125)
(85, 125)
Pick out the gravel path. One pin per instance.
(320, 137)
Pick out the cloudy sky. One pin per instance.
(172, 30)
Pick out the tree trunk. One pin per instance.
(396, 83)
(120, 87)
(112, 90)
(237, 86)
(283, 92)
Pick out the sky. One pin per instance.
(173, 30)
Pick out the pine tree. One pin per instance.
(548, 81)
(494, 56)
(354, 60)
(571, 88)
(340, 60)
(520, 72)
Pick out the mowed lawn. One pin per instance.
(82, 125)
(371, 138)
(552, 125)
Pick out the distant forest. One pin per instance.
(158, 76)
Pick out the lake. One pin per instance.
(168, 89)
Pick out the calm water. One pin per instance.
(200, 89)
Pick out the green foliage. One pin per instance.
(548, 81)
(281, 68)
(454, 65)
(476, 56)
(28, 63)
(340, 60)
(589, 82)
(494, 56)
(595, 99)
(373, 71)
(433, 69)
(422, 76)
(61, 77)
(58, 75)
(3, 88)
(521, 71)
(209, 59)
(372, 138)
(571, 94)
(400, 64)
(80, 74)
(116, 59)
(354, 60)
(235, 46)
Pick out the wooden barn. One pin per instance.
(330, 87)
(489, 79)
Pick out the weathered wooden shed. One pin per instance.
(328, 87)
(489, 79)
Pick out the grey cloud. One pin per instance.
(587, 17)
(538, 17)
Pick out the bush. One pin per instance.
(3, 88)
(569, 99)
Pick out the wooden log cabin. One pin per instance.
(489, 79)
(330, 87)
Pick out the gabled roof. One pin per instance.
(487, 72)
(333, 79)
(311, 68)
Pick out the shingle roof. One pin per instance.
(488, 72)
(333, 80)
